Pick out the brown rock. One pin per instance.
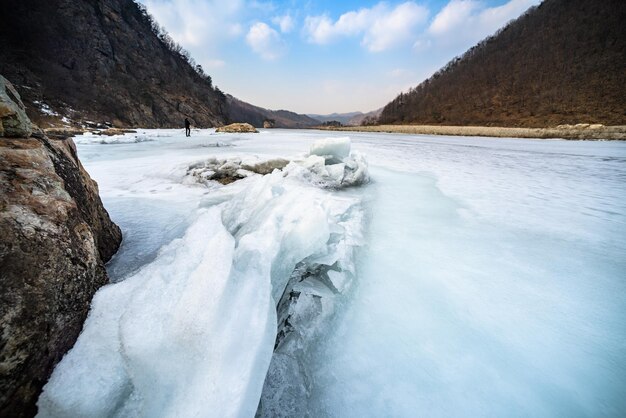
(55, 238)
(115, 131)
(237, 128)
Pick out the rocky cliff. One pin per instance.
(101, 61)
(55, 238)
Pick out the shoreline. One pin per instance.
(603, 133)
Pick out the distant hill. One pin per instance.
(348, 119)
(102, 61)
(240, 111)
(561, 62)
(365, 118)
(344, 118)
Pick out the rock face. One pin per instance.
(237, 128)
(13, 119)
(55, 238)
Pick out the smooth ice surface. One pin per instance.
(492, 282)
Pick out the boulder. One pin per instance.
(13, 120)
(55, 238)
(237, 128)
(266, 167)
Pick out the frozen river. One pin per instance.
(487, 279)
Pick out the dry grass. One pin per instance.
(569, 132)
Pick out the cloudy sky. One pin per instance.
(325, 56)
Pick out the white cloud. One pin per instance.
(265, 41)
(463, 22)
(381, 27)
(395, 27)
(285, 23)
(198, 22)
(452, 15)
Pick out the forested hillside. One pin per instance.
(240, 111)
(561, 62)
(102, 61)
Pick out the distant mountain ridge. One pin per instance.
(239, 110)
(344, 118)
(348, 119)
(562, 62)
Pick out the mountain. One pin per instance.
(348, 119)
(344, 118)
(102, 61)
(562, 62)
(365, 118)
(241, 111)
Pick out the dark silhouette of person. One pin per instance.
(187, 127)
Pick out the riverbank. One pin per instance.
(581, 131)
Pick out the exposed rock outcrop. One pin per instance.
(55, 238)
(237, 128)
(13, 119)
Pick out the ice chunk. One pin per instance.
(314, 163)
(336, 172)
(184, 336)
(334, 150)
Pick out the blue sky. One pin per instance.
(327, 56)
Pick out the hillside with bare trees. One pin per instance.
(562, 62)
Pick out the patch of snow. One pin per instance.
(45, 108)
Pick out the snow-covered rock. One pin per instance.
(329, 165)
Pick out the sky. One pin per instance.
(322, 57)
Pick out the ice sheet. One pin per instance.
(492, 282)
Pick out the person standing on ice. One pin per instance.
(187, 127)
